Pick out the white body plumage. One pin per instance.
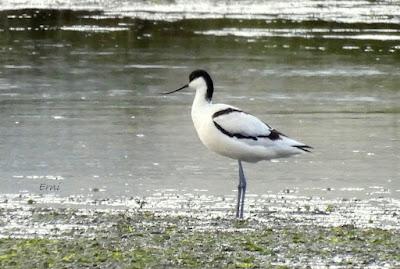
(233, 133)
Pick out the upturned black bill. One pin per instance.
(181, 88)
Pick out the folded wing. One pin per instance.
(250, 130)
(236, 123)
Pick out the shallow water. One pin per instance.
(81, 110)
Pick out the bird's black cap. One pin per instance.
(202, 73)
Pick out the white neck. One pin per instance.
(199, 107)
(200, 85)
(200, 97)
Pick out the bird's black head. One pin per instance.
(205, 78)
(210, 86)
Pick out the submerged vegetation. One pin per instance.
(147, 240)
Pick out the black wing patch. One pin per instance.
(274, 135)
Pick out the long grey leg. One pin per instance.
(242, 186)
(239, 197)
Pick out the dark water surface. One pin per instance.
(81, 110)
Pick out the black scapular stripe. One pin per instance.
(274, 135)
(225, 111)
(237, 135)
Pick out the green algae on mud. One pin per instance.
(147, 240)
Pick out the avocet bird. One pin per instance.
(233, 133)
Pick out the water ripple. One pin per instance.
(93, 28)
(376, 34)
(347, 11)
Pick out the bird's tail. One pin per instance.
(294, 146)
(303, 147)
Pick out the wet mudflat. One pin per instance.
(167, 230)
(165, 243)
(134, 238)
